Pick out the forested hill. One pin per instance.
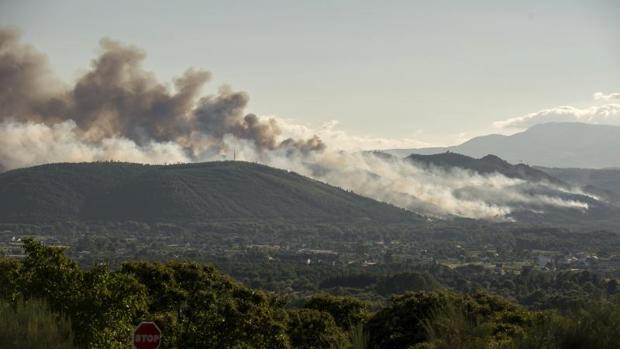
(485, 165)
(179, 193)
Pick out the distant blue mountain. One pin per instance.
(574, 145)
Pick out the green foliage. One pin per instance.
(485, 321)
(194, 304)
(314, 329)
(46, 273)
(197, 307)
(405, 282)
(187, 193)
(452, 327)
(401, 324)
(479, 321)
(444, 318)
(348, 312)
(243, 319)
(108, 307)
(358, 337)
(595, 326)
(8, 276)
(103, 306)
(31, 325)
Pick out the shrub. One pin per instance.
(313, 329)
(31, 325)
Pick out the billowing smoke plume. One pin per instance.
(117, 98)
(119, 111)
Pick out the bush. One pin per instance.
(348, 312)
(313, 329)
(401, 324)
(595, 326)
(103, 306)
(447, 320)
(8, 276)
(31, 325)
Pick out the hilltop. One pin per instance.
(201, 192)
(485, 165)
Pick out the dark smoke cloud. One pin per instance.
(220, 115)
(118, 98)
(304, 146)
(27, 90)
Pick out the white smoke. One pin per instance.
(431, 191)
(117, 111)
(26, 144)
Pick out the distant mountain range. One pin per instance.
(575, 145)
(202, 192)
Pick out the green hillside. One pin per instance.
(213, 191)
(485, 165)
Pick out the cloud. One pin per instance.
(603, 114)
(339, 139)
(600, 96)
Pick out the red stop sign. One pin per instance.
(146, 336)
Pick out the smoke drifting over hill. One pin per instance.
(119, 111)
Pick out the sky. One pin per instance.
(423, 72)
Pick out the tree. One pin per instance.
(594, 326)
(108, 308)
(348, 312)
(313, 329)
(446, 318)
(401, 324)
(103, 306)
(46, 273)
(199, 307)
(244, 318)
